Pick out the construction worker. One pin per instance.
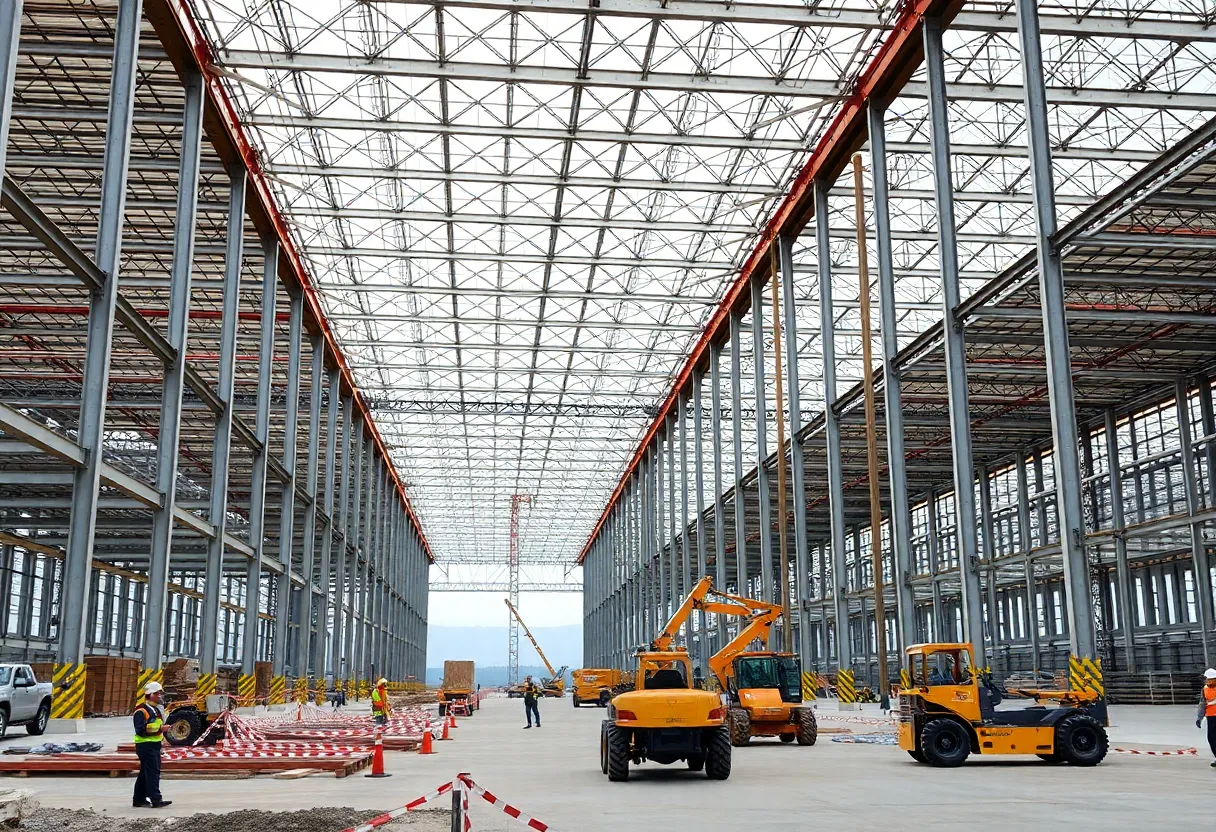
(149, 722)
(531, 692)
(380, 706)
(1207, 709)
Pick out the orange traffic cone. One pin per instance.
(426, 741)
(378, 758)
(451, 720)
(444, 735)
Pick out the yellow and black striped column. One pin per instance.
(67, 698)
(1085, 674)
(320, 700)
(146, 675)
(905, 679)
(301, 689)
(846, 689)
(278, 690)
(246, 691)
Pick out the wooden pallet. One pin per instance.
(117, 765)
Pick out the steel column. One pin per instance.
(325, 645)
(762, 490)
(352, 549)
(1026, 544)
(736, 425)
(339, 555)
(956, 360)
(10, 41)
(1082, 635)
(1123, 573)
(304, 634)
(1199, 552)
(169, 434)
(685, 550)
(703, 643)
(785, 262)
(827, 341)
(715, 430)
(901, 512)
(90, 434)
(221, 444)
(287, 511)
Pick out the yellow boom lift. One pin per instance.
(555, 685)
(950, 712)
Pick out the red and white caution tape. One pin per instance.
(502, 805)
(388, 817)
(1181, 752)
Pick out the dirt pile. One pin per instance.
(310, 820)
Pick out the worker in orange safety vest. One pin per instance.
(1207, 709)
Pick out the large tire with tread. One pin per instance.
(945, 743)
(788, 737)
(1081, 740)
(740, 730)
(604, 746)
(717, 753)
(696, 762)
(605, 698)
(616, 741)
(183, 727)
(38, 726)
(808, 728)
(574, 699)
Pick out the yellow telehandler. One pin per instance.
(950, 712)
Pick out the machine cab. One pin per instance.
(779, 675)
(664, 671)
(942, 674)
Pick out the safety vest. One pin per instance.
(378, 704)
(1209, 697)
(155, 722)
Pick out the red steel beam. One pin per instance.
(898, 57)
(186, 46)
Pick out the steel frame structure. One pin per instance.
(1093, 334)
(171, 391)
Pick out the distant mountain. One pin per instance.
(487, 647)
(492, 676)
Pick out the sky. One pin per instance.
(486, 609)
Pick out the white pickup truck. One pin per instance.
(23, 699)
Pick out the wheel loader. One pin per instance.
(665, 720)
(186, 722)
(950, 712)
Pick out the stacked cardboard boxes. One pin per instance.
(109, 688)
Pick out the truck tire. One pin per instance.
(604, 746)
(3, 721)
(740, 730)
(183, 727)
(38, 726)
(808, 728)
(616, 743)
(717, 753)
(1081, 740)
(945, 743)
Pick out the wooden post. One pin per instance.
(787, 626)
(880, 611)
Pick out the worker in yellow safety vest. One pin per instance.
(1207, 708)
(149, 722)
(380, 706)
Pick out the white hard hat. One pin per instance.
(152, 687)
(1210, 673)
(382, 682)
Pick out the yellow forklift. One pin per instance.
(950, 712)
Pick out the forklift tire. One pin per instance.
(717, 753)
(945, 743)
(616, 749)
(696, 762)
(574, 699)
(604, 746)
(787, 737)
(740, 731)
(808, 728)
(183, 727)
(605, 698)
(1081, 740)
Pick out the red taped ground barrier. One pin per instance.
(467, 787)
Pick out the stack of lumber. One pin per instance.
(181, 679)
(406, 699)
(109, 688)
(226, 679)
(261, 673)
(458, 675)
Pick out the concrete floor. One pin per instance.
(553, 773)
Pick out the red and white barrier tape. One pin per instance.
(499, 803)
(1181, 752)
(388, 817)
